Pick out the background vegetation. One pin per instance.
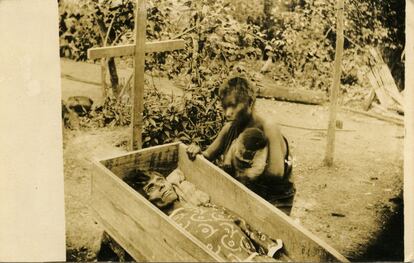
(227, 36)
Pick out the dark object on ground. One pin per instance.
(79, 104)
(69, 117)
(65, 110)
(111, 251)
(337, 215)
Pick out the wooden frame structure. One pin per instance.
(137, 50)
(150, 235)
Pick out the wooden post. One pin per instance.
(103, 78)
(138, 93)
(138, 50)
(335, 84)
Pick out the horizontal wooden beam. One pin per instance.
(128, 50)
(376, 116)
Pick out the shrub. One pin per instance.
(195, 117)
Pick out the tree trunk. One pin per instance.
(113, 74)
(111, 61)
(267, 8)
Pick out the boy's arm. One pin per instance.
(215, 148)
(277, 150)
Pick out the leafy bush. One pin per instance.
(303, 40)
(91, 23)
(191, 118)
(112, 113)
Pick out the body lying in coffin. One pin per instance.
(223, 232)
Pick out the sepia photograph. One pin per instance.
(223, 130)
(233, 130)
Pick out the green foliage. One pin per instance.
(86, 25)
(217, 39)
(191, 118)
(91, 23)
(303, 40)
(112, 113)
(215, 44)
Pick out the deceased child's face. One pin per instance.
(160, 192)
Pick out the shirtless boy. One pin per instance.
(238, 99)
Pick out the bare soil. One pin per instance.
(355, 206)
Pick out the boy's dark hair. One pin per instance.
(253, 139)
(240, 86)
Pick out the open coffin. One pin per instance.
(147, 234)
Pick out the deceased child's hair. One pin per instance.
(137, 179)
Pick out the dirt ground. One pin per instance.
(349, 205)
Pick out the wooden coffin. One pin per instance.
(147, 234)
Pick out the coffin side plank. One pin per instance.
(139, 227)
(109, 229)
(163, 157)
(299, 243)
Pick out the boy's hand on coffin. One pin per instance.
(193, 150)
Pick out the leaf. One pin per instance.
(153, 123)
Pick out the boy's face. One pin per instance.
(236, 108)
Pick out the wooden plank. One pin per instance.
(161, 158)
(267, 89)
(376, 83)
(300, 244)
(387, 99)
(330, 138)
(370, 98)
(138, 226)
(387, 113)
(376, 55)
(139, 70)
(73, 78)
(389, 93)
(376, 116)
(396, 108)
(129, 50)
(389, 84)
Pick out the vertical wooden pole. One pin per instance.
(335, 83)
(103, 78)
(139, 66)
